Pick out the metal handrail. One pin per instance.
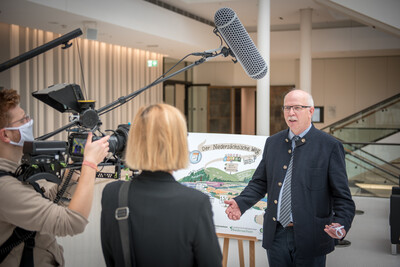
(362, 112)
(370, 143)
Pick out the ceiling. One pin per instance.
(285, 16)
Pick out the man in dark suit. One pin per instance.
(309, 202)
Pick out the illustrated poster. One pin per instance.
(221, 165)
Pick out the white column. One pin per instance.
(305, 49)
(263, 45)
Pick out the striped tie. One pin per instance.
(286, 202)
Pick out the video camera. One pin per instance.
(50, 157)
(117, 142)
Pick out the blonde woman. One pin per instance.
(170, 224)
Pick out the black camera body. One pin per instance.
(117, 142)
(48, 158)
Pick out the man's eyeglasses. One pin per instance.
(24, 120)
(296, 108)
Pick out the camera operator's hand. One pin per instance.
(96, 151)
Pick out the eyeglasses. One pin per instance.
(296, 108)
(24, 119)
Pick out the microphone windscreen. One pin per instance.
(239, 41)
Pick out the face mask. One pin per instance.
(26, 132)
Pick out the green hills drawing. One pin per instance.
(212, 174)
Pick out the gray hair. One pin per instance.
(310, 99)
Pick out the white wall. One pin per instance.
(338, 42)
(221, 73)
(285, 48)
(342, 85)
(386, 11)
(347, 85)
(352, 68)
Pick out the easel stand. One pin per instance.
(240, 239)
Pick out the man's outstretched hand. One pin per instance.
(232, 210)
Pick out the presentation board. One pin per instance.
(221, 165)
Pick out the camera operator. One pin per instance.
(21, 206)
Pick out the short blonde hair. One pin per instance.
(157, 139)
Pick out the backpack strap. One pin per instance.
(31, 182)
(4, 173)
(18, 236)
(27, 254)
(122, 216)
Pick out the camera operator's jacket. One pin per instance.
(21, 205)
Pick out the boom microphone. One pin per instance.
(240, 43)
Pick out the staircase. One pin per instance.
(371, 139)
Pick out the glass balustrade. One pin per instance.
(373, 170)
(371, 139)
(369, 125)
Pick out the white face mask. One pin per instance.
(26, 132)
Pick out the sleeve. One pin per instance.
(50, 189)
(70, 188)
(22, 206)
(206, 246)
(257, 187)
(343, 204)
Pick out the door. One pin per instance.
(197, 108)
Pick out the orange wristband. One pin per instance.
(90, 164)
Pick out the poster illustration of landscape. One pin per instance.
(220, 166)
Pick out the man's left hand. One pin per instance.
(335, 230)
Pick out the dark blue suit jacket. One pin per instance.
(320, 192)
